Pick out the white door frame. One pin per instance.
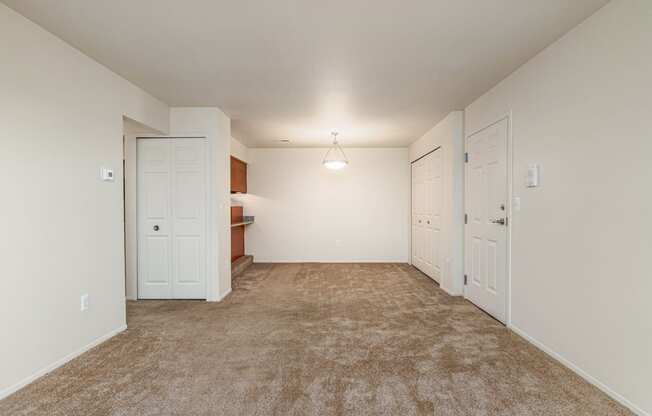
(508, 249)
(209, 197)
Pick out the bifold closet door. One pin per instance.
(172, 196)
(426, 214)
(417, 215)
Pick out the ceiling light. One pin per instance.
(335, 158)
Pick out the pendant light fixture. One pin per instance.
(335, 158)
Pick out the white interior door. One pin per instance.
(486, 229)
(172, 196)
(416, 216)
(434, 197)
(426, 214)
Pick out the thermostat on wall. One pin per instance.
(107, 175)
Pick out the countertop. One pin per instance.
(237, 224)
(246, 220)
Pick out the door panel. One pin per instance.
(486, 237)
(435, 181)
(158, 270)
(188, 187)
(189, 214)
(415, 214)
(188, 264)
(154, 237)
(157, 186)
(492, 254)
(476, 265)
(436, 254)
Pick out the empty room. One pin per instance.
(352, 207)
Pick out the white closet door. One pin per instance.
(417, 214)
(415, 237)
(434, 223)
(426, 214)
(171, 219)
(189, 219)
(154, 225)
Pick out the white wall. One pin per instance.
(449, 135)
(213, 124)
(239, 150)
(62, 234)
(581, 271)
(305, 212)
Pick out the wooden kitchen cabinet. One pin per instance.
(237, 234)
(237, 242)
(238, 176)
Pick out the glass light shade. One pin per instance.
(335, 164)
(335, 158)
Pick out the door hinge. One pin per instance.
(506, 221)
(466, 218)
(466, 158)
(465, 280)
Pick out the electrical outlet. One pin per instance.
(84, 302)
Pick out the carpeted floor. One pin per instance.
(314, 339)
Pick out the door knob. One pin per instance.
(156, 228)
(500, 221)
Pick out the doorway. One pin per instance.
(427, 194)
(487, 219)
(172, 206)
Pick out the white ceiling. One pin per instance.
(382, 72)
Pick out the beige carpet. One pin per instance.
(314, 339)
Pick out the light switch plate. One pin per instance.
(532, 176)
(84, 302)
(107, 175)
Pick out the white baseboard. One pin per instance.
(14, 388)
(449, 292)
(586, 376)
(221, 298)
(259, 260)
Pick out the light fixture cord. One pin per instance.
(337, 145)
